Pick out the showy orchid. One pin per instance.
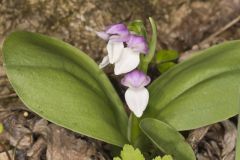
(137, 95)
(123, 48)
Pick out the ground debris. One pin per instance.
(6, 155)
(35, 152)
(215, 142)
(64, 146)
(37, 139)
(183, 25)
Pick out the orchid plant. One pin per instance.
(65, 86)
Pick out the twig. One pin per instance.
(6, 151)
(13, 95)
(15, 148)
(224, 28)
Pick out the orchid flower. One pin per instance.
(130, 55)
(137, 95)
(123, 48)
(115, 33)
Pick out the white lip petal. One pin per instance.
(128, 61)
(137, 100)
(104, 62)
(114, 51)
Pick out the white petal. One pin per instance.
(104, 62)
(114, 51)
(128, 61)
(137, 100)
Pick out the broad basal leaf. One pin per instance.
(167, 139)
(63, 85)
(199, 91)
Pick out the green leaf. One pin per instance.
(200, 91)
(166, 157)
(138, 27)
(129, 153)
(163, 67)
(157, 158)
(166, 55)
(63, 85)
(1, 127)
(167, 139)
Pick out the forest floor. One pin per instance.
(183, 25)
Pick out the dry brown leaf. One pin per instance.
(229, 139)
(64, 146)
(20, 136)
(196, 136)
(3, 155)
(35, 152)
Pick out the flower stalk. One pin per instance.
(133, 128)
(146, 59)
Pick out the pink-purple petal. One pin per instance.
(103, 35)
(117, 29)
(119, 38)
(135, 79)
(137, 43)
(115, 33)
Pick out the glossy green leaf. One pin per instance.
(63, 85)
(163, 67)
(167, 139)
(200, 91)
(166, 55)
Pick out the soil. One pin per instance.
(183, 25)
